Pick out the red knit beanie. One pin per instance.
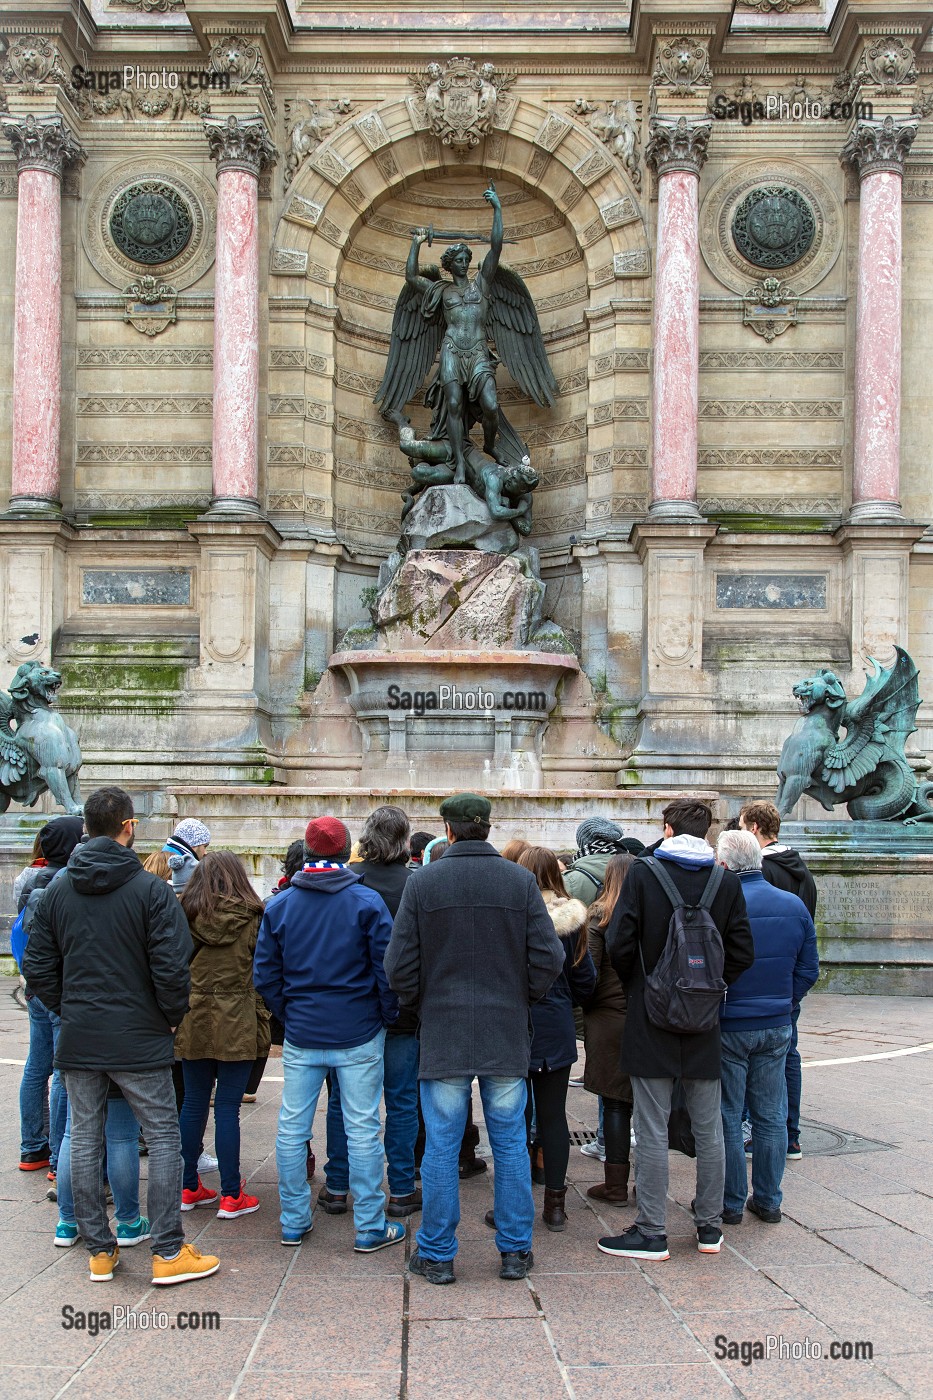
(327, 838)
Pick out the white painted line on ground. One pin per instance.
(805, 1064)
(860, 1059)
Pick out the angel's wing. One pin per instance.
(514, 324)
(13, 760)
(879, 721)
(417, 331)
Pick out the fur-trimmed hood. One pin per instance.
(567, 915)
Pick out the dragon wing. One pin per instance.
(881, 719)
(13, 760)
(417, 331)
(517, 334)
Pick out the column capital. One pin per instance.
(42, 143)
(875, 146)
(240, 143)
(677, 143)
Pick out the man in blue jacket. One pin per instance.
(755, 1022)
(318, 967)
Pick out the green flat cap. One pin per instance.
(466, 807)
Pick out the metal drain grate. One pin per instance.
(579, 1137)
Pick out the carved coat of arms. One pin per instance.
(150, 305)
(461, 100)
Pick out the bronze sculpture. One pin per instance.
(867, 770)
(42, 753)
(458, 317)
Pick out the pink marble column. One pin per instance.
(43, 146)
(876, 149)
(676, 151)
(241, 147)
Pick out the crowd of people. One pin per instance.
(395, 972)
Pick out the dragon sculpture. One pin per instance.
(41, 754)
(868, 769)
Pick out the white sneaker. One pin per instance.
(594, 1149)
(206, 1163)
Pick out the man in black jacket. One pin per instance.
(472, 947)
(108, 951)
(785, 868)
(654, 1058)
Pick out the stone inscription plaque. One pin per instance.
(771, 590)
(898, 906)
(136, 587)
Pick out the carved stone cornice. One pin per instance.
(677, 143)
(240, 143)
(42, 143)
(875, 146)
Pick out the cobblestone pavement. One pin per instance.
(851, 1263)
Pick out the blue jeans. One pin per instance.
(444, 1104)
(400, 1091)
(231, 1077)
(122, 1137)
(794, 1076)
(358, 1072)
(753, 1070)
(42, 1108)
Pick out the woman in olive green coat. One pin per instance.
(604, 1022)
(226, 1028)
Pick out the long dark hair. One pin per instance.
(543, 865)
(603, 906)
(219, 879)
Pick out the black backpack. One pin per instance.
(685, 988)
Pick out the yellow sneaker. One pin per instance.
(188, 1263)
(103, 1265)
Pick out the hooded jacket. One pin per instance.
(554, 1042)
(318, 961)
(786, 962)
(584, 879)
(227, 1019)
(642, 916)
(108, 950)
(785, 868)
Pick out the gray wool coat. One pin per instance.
(472, 947)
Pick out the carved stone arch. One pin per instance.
(348, 176)
(340, 244)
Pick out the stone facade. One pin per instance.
(199, 510)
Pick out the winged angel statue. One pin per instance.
(868, 769)
(459, 316)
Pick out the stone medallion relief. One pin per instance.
(158, 215)
(768, 215)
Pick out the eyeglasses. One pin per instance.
(132, 821)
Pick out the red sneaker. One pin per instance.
(233, 1206)
(204, 1196)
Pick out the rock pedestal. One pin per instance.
(460, 598)
(453, 517)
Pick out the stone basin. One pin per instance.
(472, 712)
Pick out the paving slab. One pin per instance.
(852, 1261)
